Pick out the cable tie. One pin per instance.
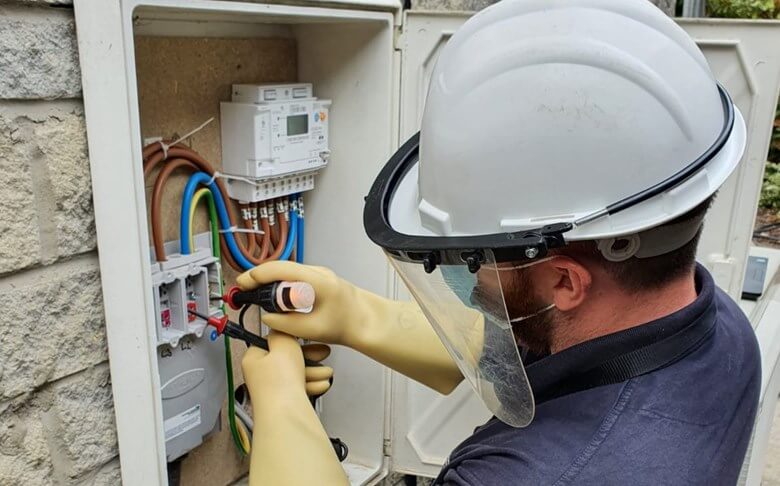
(236, 229)
(166, 146)
(236, 178)
(213, 178)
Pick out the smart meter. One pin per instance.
(274, 139)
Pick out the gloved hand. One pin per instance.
(317, 377)
(290, 446)
(396, 334)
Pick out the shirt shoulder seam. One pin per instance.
(579, 463)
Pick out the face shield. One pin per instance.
(468, 311)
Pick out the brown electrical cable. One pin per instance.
(272, 220)
(250, 239)
(155, 213)
(283, 230)
(157, 155)
(225, 253)
(156, 220)
(266, 246)
(156, 223)
(265, 242)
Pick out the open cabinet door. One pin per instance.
(742, 55)
(426, 426)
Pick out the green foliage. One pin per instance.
(774, 146)
(758, 9)
(770, 190)
(744, 9)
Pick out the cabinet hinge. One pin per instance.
(387, 447)
(398, 38)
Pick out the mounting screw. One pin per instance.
(473, 262)
(531, 252)
(429, 263)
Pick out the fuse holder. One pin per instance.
(165, 318)
(191, 306)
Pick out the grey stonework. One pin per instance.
(38, 54)
(52, 326)
(61, 434)
(46, 197)
(80, 423)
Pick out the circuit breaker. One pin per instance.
(190, 356)
(274, 140)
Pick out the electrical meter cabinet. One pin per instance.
(191, 359)
(274, 139)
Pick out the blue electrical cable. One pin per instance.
(299, 243)
(184, 225)
(292, 236)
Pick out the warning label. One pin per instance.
(181, 423)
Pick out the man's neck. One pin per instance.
(613, 310)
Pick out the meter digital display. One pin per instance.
(297, 124)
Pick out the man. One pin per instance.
(545, 220)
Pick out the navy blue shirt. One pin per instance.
(688, 422)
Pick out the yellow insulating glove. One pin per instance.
(396, 334)
(317, 377)
(289, 444)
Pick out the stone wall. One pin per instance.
(56, 409)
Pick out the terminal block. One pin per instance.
(190, 357)
(184, 282)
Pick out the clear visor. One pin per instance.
(469, 314)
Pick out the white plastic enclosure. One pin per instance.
(348, 56)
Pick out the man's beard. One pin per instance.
(519, 300)
(534, 333)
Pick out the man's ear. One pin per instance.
(564, 281)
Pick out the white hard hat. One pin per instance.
(555, 111)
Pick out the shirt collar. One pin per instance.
(545, 373)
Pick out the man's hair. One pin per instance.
(639, 274)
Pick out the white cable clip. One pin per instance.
(236, 229)
(236, 178)
(166, 146)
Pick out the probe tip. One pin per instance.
(301, 295)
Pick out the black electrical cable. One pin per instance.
(342, 451)
(241, 315)
(174, 471)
